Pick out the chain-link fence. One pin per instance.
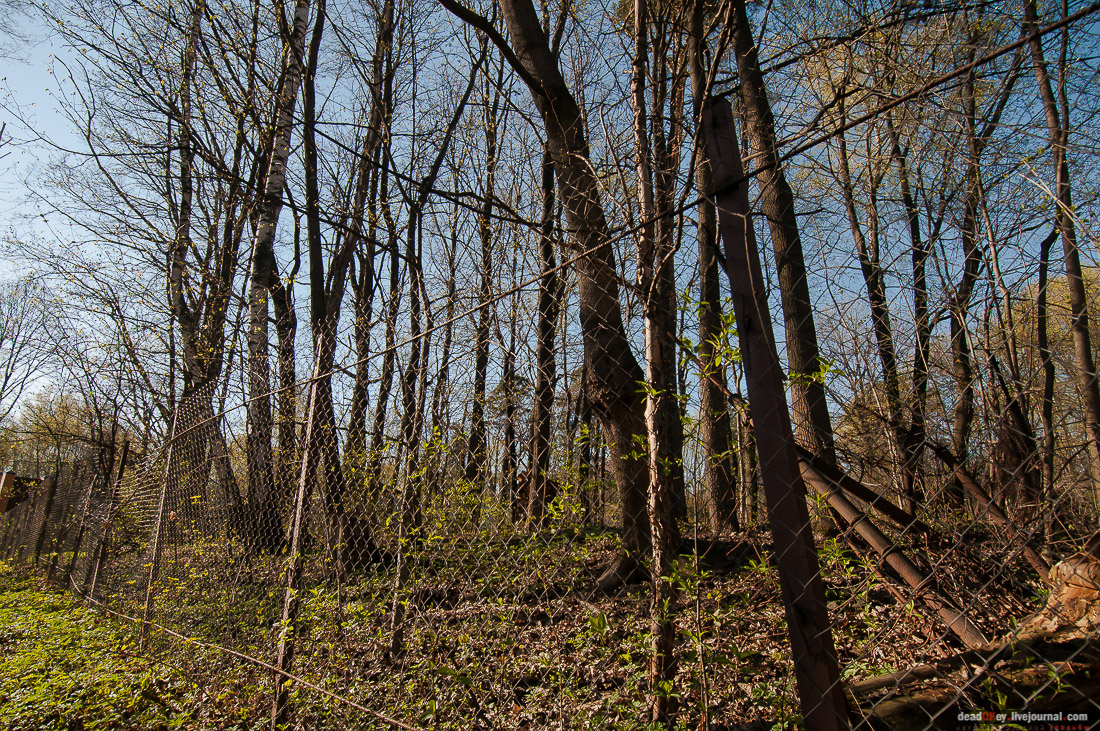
(432, 582)
(528, 500)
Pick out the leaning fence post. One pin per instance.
(815, 661)
(40, 538)
(158, 530)
(81, 529)
(284, 654)
(95, 567)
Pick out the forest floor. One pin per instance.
(501, 635)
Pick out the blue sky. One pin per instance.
(28, 106)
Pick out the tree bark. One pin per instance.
(263, 496)
(549, 306)
(812, 423)
(1057, 117)
(613, 370)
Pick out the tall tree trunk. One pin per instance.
(286, 420)
(959, 306)
(408, 507)
(377, 198)
(667, 60)
(875, 284)
(719, 469)
(263, 496)
(477, 460)
(1046, 409)
(508, 467)
(919, 252)
(612, 368)
(549, 307)
(350, 542)
(812, 423)
(654, 276)
(373, 470)
(1057, 117)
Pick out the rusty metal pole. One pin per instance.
(292, 599)
(158, 529)
(815, 662)
(96, 566)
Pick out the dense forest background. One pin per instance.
(361, 284)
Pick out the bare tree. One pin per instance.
(613, 370)
(23, 340)
(1056, 111)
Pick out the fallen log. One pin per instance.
(858, 490)
(1051, 662)
(892, 555)
(991, 508)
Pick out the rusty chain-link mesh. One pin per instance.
(544, 491)
(438, 600)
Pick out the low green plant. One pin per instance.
(66, 666)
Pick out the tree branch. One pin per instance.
(483, 24)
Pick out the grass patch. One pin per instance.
(69, 667)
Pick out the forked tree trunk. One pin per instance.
(355, 443)
(286, 412)
(614, 372)
(439, 432)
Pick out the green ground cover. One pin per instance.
(66, 666)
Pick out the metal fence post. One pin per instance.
(158, 529)
(284, 653)
(95, 566)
